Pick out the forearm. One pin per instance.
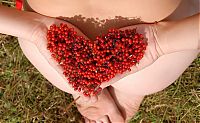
(18, 23)
(179, 35)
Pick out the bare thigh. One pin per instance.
(163, 72)
(38, 60)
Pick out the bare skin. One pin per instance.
(155, 10)
(106, 9)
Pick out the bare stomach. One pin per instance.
(96, 17)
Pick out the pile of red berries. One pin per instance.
(86, 63)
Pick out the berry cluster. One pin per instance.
(86, 63)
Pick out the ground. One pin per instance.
(26, 96)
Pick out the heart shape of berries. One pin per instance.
(86, 64)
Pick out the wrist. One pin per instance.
(179, 35)
(18, 23)
(30, 25)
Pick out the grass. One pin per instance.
(26, 96)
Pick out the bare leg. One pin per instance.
(127, 104)
(179, 42)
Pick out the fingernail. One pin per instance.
(98, 121)
(94, 99)
(85, 98)
(86, 120)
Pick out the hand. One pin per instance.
(152, 53)
(104, 110)
(170, 45)
(36, 51)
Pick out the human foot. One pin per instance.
(103, 110)
(127, 104)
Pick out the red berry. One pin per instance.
(86, 64)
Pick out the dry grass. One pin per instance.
(26, 96)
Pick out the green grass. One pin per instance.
(26, 96)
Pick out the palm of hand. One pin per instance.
(36, 51)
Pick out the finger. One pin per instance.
(82, 97)
(90, 112)
(93, 99)
(116, 117)
(86, 120)
(92, 121)
(89, 121)
(104, 119)
(85, 101)
(80, 33)
(98, 121)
